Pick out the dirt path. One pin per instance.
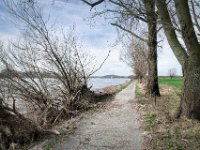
(115, 127)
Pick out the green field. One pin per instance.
(176, 81)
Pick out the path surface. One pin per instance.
(116, 127)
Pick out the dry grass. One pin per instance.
(162, 130)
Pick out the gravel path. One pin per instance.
(115, 127)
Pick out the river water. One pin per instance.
(98, 83)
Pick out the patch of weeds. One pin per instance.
(150, 119)
(90, 110)
(171, 140)
(172, 105)
(57, 139)
(137, 91)
(178, 93)
(139, 95)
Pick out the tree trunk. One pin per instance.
(183, 72)
(170, 33)
(190, 102)
(152, 85)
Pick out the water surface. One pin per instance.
(98, 83)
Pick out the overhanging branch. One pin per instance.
(130, 32)
(101, 65)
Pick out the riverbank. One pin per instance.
(113, 89)
(67, 127)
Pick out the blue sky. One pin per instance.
(96, 35)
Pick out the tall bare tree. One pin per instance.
(188, 54)
(135, 55)
(128, 13)
(172, 72)
(152, 85)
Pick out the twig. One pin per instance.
(93, 4)
(100, 65)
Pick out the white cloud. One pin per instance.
(96, 36)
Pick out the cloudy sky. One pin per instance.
(96, 35)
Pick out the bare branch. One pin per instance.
(93, 4)
(98, 68)
(128, 31)
(194, 14)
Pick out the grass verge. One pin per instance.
(139, 94)
(162, 130)
(120, 87)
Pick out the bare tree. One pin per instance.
(194, 7)
(187, 52)
(46, 76)
(130, 16)
(172, 72)
(135, 55)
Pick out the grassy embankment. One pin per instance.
(162, 130)
(120, 87)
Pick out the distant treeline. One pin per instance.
(13, 73)
(113, 76)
